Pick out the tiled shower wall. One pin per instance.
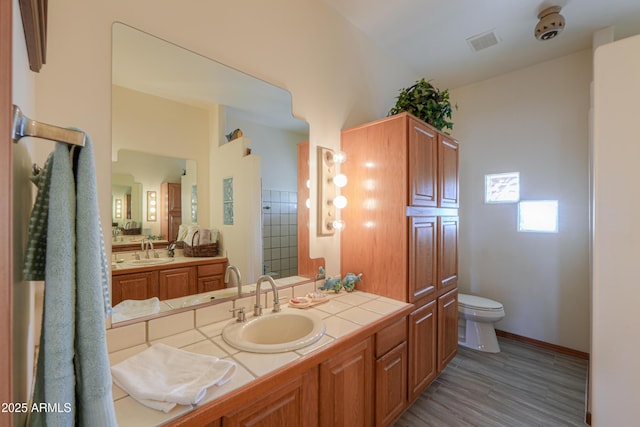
(280, 232)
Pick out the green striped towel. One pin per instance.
(35, 256)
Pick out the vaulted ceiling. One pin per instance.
(430, 35)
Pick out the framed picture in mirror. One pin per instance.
(34, 21)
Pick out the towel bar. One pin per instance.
(24, 126)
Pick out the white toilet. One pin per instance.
(477, 316)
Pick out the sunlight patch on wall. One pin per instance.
(538, 216)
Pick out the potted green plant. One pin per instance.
(427, 103)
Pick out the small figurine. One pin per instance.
(332, 284)
(234, 135)
(350, 280)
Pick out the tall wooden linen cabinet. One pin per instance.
(171, 210)
(402, 231)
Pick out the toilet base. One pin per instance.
(479, 336)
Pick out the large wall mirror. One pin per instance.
(172, 110)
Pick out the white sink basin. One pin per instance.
(274, 332)
(150, 261)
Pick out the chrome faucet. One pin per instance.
(257, 308)
(227, 276)
(145, 245)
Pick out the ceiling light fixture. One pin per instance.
(551, 23)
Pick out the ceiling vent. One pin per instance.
(551, 23)
(483, 41)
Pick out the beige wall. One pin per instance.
(615, 371)
(150, 124)
(241, 241)
(533, 121)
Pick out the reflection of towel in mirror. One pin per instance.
(130, 308)
(191, 238)
(162, 376)
(204, 236)
(197, 235)
(182, 232)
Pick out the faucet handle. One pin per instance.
(241, 314)
(276, 304)
(257, 310)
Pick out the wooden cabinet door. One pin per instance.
(447, 328)
(422, 348)
(212, 283)
(174, 198)
(448, 168)
(136, 286)
(171, 212)
(391, 385)
(422, 257)
(447, 252)
(346, 392)
(177, 282)
(295, 403)
(423, 165)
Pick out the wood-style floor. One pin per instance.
(523, 385)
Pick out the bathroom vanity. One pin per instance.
(355, 375)
(166, 278)
(129, 244)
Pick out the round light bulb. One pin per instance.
(340, 202)
(339, 157)
(308, 203)
(340, 180)
(338, 225)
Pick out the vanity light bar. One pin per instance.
(329, 201)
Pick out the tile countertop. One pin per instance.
(343, 314)
(125, 261)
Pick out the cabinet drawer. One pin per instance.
(211, 269)
(391, 336)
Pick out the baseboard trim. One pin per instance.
(542, 344)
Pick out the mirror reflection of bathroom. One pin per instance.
(226, 140)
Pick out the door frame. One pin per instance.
(6, 209)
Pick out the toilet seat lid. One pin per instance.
(479, 303)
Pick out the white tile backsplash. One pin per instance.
(171, 325)
(126, 336)
(214, 313)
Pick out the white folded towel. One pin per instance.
(205, 236)
(162, 376)
(192, 237)
(182, 232)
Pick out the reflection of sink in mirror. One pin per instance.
(191, 300)
(204, 298)
(205, 101)
(150, 261)
(275, 332)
